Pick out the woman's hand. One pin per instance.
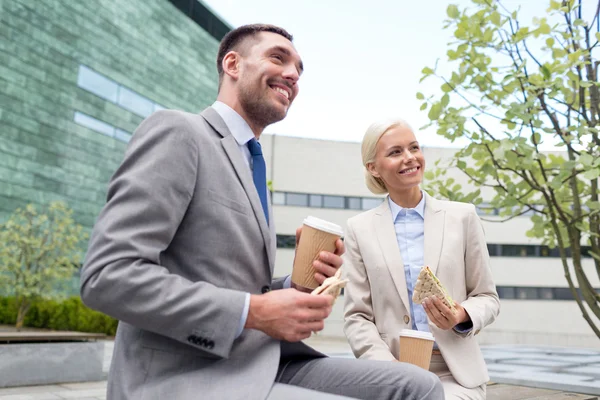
(442, 316)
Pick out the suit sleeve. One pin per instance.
(359, 326)
(122, 275)
(482, 303)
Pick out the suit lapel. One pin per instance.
(232, 150)
(434, 232)
(386, 235)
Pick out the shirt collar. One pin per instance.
(238, 127)
(395, 208)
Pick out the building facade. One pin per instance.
(77, 77)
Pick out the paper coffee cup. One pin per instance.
(416, 347)
(317, 235)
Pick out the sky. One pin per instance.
(363, 59)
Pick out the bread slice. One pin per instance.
(332, 285)
(429, 285)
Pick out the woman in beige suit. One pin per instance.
(386, 248)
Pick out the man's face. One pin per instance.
(268, 81)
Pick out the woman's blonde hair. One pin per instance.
(369, 149)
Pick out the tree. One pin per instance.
(39, 251)
(515, 91)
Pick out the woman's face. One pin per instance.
(399, 161)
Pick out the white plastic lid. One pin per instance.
(417, 334)
(323, 225)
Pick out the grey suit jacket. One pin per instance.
(180, 240)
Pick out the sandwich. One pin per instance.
(429, 285)
(332, 285)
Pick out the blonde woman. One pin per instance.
(386, 248)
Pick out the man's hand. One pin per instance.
(327, 263)
(288, 314)
(442, 316)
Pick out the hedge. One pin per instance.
(67, 315)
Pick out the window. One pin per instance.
(135, 103)
(369, 203)
(535, 293)
(333, 202)
(110, 90)
(315, 200)
(546, 293)
(278, 198)
(101, 127)
(297, 199)
(353, 203)
(286, 241)
(94, 124)
(122, 135)
(93, 82)
(526, 293)
(506, 292)
(510, 250)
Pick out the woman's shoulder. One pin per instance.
(365, 216)
(454, 206)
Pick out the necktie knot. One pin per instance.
(254, 147)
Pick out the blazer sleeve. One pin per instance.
(359, 326)
(122, 275)
(482, 303)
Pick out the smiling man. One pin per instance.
(183, 255)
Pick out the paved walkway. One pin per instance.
(517, 372)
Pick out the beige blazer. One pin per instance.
(376, 298)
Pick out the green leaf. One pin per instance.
(446, 88)
(592, 173)
(586, 159)
(423, 106)
(495, 18)
(550, 42)
(420, 96)
(435, 111)
(597, 35)
(445, 100)
(427, 71)
(452, 11)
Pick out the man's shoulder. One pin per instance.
(175, 117)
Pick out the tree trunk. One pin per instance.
(23, 308)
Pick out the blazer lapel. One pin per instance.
(232, 150)
(434, 232)
(386, 236)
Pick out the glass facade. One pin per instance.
(77, 78)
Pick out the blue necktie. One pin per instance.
(259, 174)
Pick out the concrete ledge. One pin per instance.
(23, 364)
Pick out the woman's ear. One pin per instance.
(231, 64)
(372, 170)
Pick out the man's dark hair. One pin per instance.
(234, 38)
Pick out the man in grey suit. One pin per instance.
(183, 254)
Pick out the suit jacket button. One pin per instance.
(406, 319)
(265, 289)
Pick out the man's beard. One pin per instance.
(259, 110)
